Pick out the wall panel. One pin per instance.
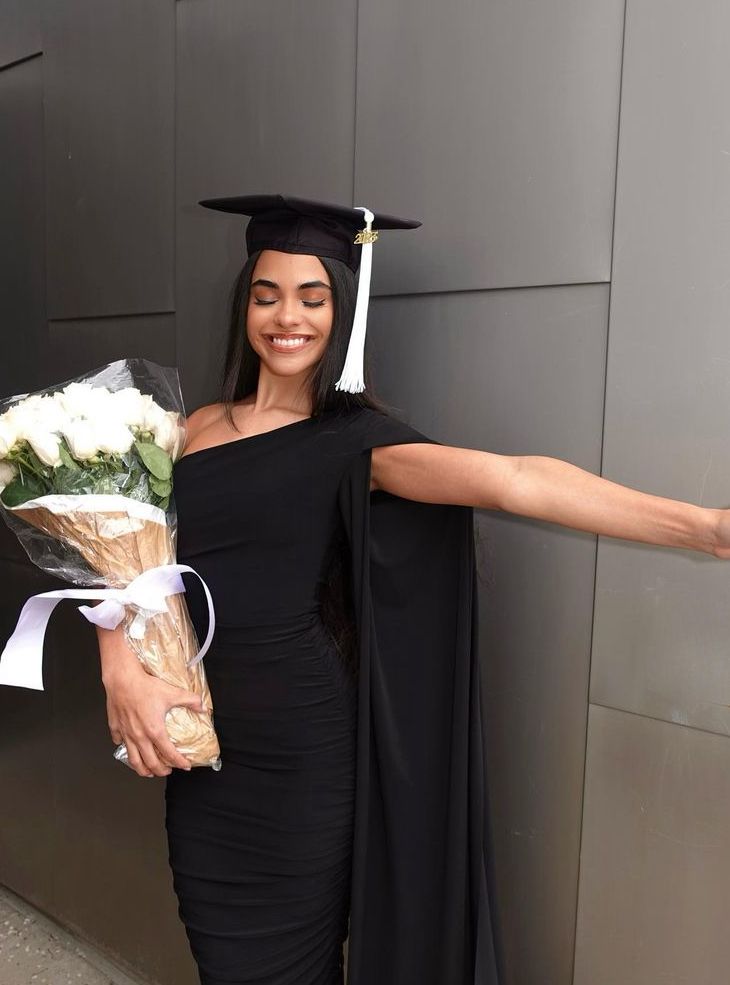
(22, 230)
(495, 124)
(662, 620)
(109, 141)
(78, 346)
(20, 30)
(655, 862)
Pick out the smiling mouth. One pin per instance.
(288, 343)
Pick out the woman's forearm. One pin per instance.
(114, 652)
(558, 491)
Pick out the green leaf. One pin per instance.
(21, 489)
(34, 460)
(66, 457)
(154, 458)
(163, 487)
(136, 480)
(69, 481)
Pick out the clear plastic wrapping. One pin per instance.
(86, 484)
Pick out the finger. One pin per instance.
(157, 740)
(151, 759)
(169, 752)
(135, 759)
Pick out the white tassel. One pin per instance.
(353, 375)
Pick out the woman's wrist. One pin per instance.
(116, 657)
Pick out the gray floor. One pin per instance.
(36, 951)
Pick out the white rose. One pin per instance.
(166, 432)
(74, 398)
(101, 406)
(45, 445)
(22, 419)
(147, 400)
(50, 414)
(7, 474)
(129, 406)
(37, 414)
(8, 435)
(59, 401)
(113, 438)
(32, 402)
(179, 442)
(81, 438)
(153, 416)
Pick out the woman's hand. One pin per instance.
(136, 706)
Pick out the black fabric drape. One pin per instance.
(423, 906)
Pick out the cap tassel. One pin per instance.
(353, 377)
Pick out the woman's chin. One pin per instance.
(288, 366)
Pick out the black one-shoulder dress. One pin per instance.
(261, 852)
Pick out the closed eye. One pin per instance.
(309, 304)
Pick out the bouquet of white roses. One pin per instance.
(86, 485)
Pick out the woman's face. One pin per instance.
(290, 300)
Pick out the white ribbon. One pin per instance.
(21, 662)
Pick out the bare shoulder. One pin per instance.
(201, 418)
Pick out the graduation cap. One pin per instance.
(300, 225)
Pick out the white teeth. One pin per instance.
(289, 342)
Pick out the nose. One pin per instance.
(288, 313)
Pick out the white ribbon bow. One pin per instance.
(21, 662)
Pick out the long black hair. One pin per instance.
(240, 378)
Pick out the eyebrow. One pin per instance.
(309, 283)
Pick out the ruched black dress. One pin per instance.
(344, 793)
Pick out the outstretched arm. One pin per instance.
(547, 489)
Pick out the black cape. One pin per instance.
(423, 904)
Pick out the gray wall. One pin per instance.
(567, 295)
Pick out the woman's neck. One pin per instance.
(280, 393)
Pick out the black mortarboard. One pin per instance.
(300, 225)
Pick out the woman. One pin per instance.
(343, 678)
